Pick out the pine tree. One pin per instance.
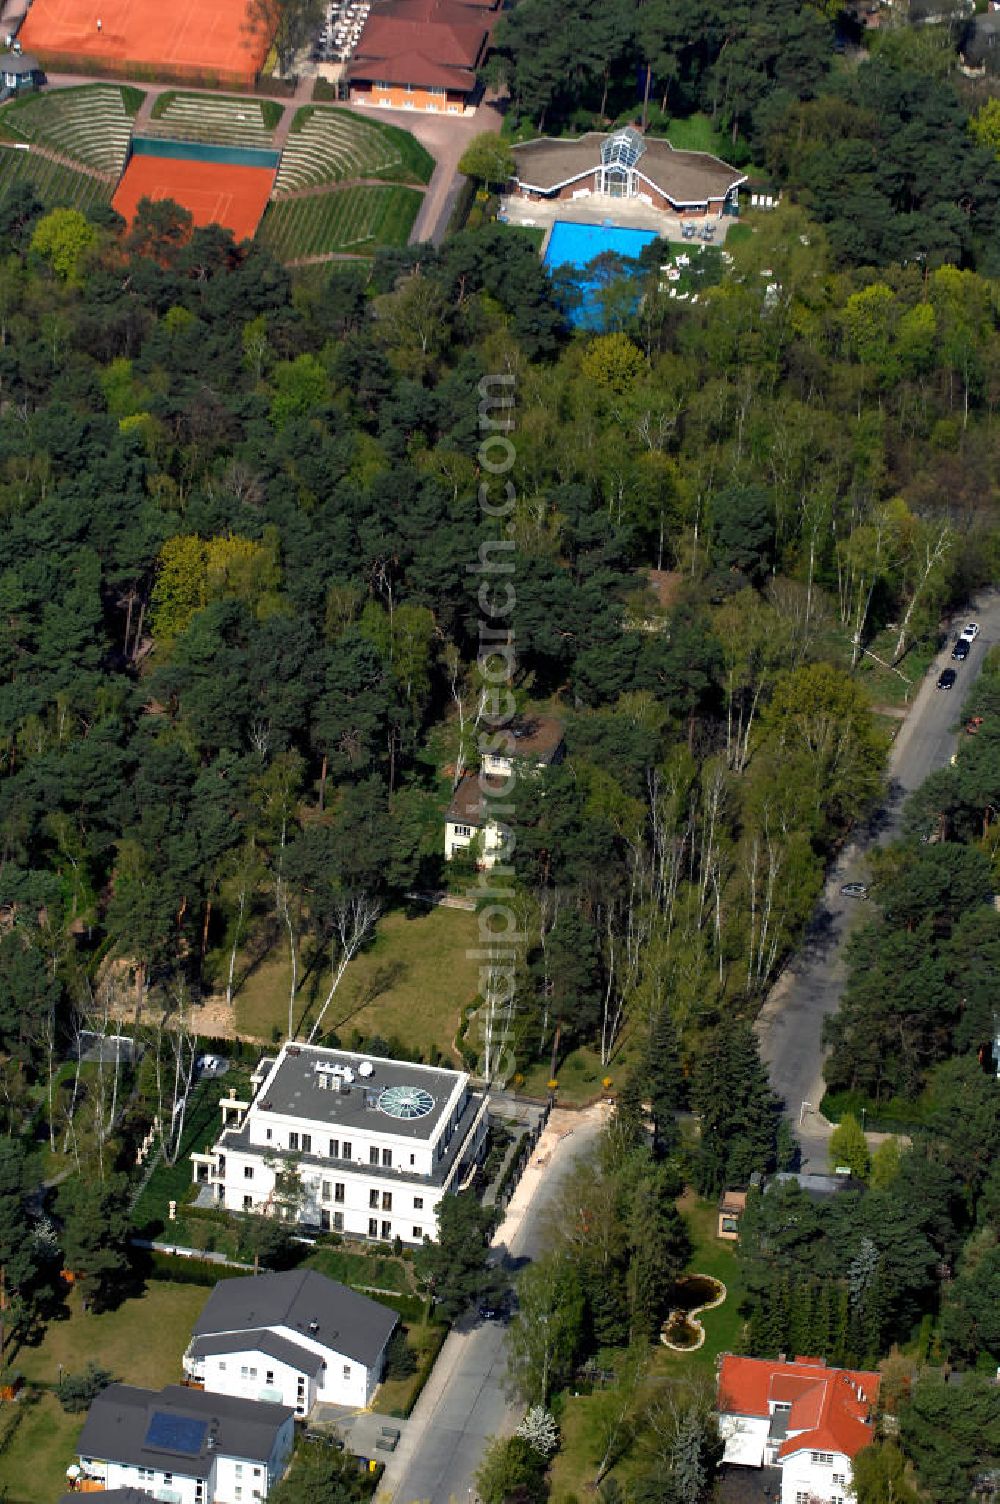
(800, 1317)
(664, 1082)
(841, 1318)
(738, 1110)
(822, 1321)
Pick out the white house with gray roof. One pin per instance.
(290, 1339)
(375, 1143)
(184, 1446)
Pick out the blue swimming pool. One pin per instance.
(576, 245)
(201, 151)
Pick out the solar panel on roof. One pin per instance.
(175, 1433)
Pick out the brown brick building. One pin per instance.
(421, 54)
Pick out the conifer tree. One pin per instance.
(664, 1081)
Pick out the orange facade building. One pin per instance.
(421, 55)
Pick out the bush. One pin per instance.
(400, 1361)
(78, 1390)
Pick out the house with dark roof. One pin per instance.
(291, 1339)
(803, 1419)
(625, 165)
(21, 73)
(421, 54)
(183, 1446)
(481, 805)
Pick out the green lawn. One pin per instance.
(202, 1122)
(412, 983)
(710, 1255)
(56, 185)
(397, 1396)
(355, 220)
(140, 1343)
(42, 1446)
(576, 1463)
(696, 133)
(373, 1271)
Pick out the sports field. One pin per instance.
(208, 40)
(215, 192)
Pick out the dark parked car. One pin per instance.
(854, 890)
(961, 649)
(947, 679)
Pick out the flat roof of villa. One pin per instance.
(419, 1093)
(685, 177)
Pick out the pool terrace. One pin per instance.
(623, 213)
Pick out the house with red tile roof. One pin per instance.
(806, 1419)
(421, 54)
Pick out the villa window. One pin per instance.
(373, 1199)
(839, 1480)
(268, 1379)
(387, 1159)
(338, 1221)
(338, 1191)
(307, 1143)
(347, 1370)
(373, 1155)
(387, 1201)
(373, 1227)
(418, 1203)
(822, 1457)
(327, 1190)
(386, 1231)
(418, 1233)
(248, 1203)
(335, 1148)
(248, 1172)
(293, 1141)
(348, 1149)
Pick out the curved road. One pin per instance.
(790, 1026)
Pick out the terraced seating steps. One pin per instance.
(88, 125)
(330, 148)
(228, 122)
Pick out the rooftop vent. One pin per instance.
(366, 1069)
(314, 1326)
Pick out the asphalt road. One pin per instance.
(791, 1022)
(464, 1402)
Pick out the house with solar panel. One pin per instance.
(183, 1446)
(625, 165)
(372, 1145)
(292, 1338)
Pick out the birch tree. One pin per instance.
(353, 916)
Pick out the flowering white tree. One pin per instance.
(539, 1430)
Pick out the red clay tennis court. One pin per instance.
(199, 40)
(215, 192)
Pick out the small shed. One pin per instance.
(22, 73)
(732, 1205)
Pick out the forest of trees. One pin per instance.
(880, 154)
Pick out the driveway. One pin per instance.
(464, 1402)
(445, 137)
(790, 1024)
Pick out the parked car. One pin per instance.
(854, 890)
(947, 679)
(971, 631)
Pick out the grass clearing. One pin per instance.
(412, 983)
(397, 1396)
(355, 220)
(696, 133)
(41, 1448)
(710, 1255)
(141, 1342)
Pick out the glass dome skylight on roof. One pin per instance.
(405, 1102)
(623, 149)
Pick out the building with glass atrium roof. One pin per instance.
(626, 165)
(375, 1143)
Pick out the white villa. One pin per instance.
(375, 1143)
(290, 1339)
(803, 1419)
(476, 813)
